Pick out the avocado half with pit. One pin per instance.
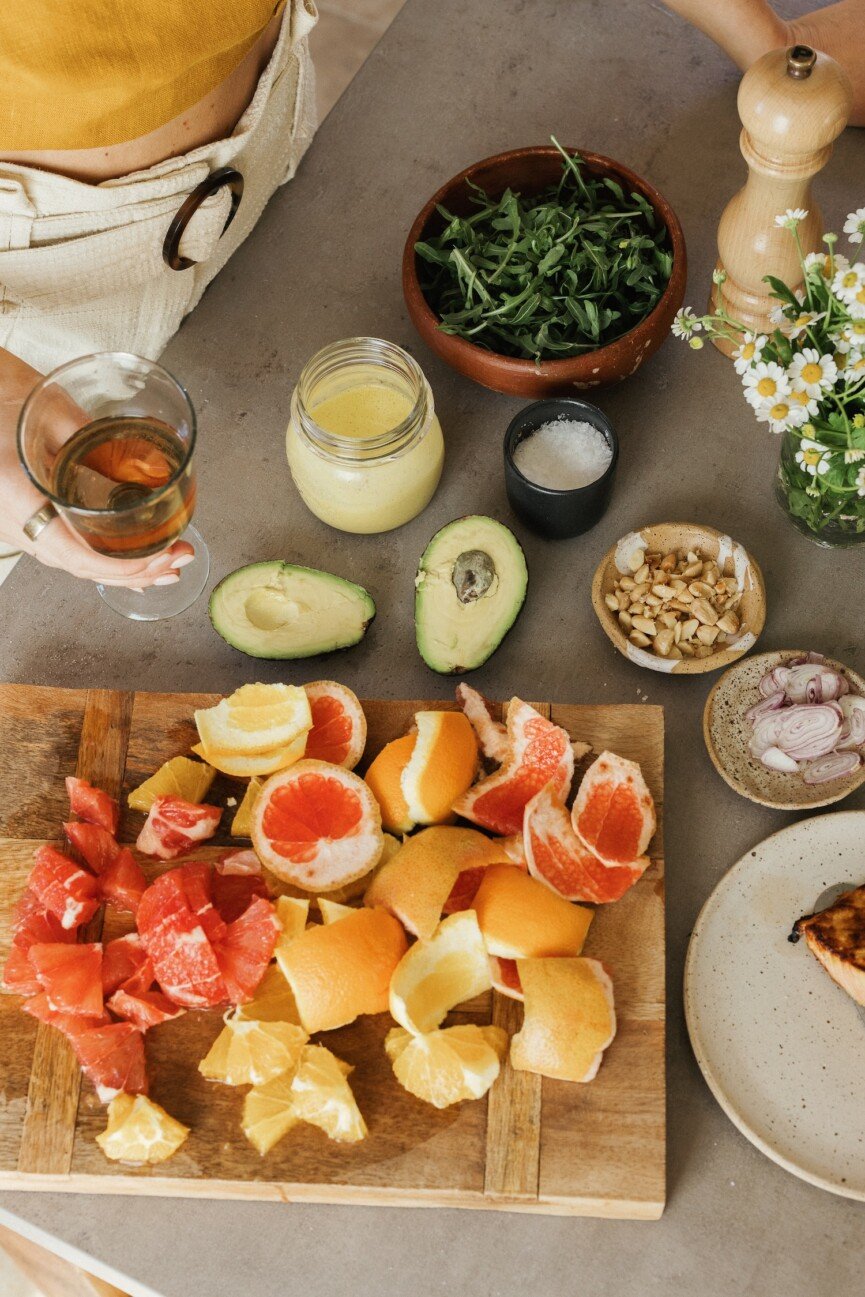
(470, 586)
(279, 610)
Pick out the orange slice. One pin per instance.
(420, 877)
(241, 825)
(317, 826)
(254, 719)
(447, 1066)
(261, 763)
(384, 777)
(318, 1092)
(342, 969)
(139, 1131)
(521, 918)
(179, 777)
(249, 1052)
(273, 1001)
(570, 1018)
(436, 975)
(442, 766)
(338, 731)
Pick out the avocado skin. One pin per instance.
(271, 568)
(472, 525)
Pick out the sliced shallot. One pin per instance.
(833, 766)
(775, 759)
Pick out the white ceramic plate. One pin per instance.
(781, 1047)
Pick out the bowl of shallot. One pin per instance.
(787, 729)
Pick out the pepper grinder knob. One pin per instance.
(793, 105)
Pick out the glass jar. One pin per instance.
(364, 445)
(816, 488)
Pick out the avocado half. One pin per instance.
(279, 610)
(470, 586)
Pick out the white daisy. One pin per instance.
(853, 456)
(855, 365)
(812, 373)
(812, 457)
(808, 404)
(781, 414)
(825, 264)
(860, 480)
(749, 351)
(804, 320)
(854, 226)
(685, 323)
(853, 336)
(765, 382)
(791, 218)
(847, 283)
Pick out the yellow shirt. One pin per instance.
(79, 74)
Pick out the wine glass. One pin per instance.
(108, 438)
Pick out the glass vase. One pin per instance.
(829, 518)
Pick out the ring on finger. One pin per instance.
(38, 521)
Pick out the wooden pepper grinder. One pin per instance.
(793, 104)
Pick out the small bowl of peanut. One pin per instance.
(680, 598)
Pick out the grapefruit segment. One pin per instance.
(70, 976)
(112, 1058)
(338, 733)
(64, 888)
(614, 813)
(173, 827)
(95, 844)
(145, 1009)
(244, 952)
(317, 826)
(540, 753)
(570, 1018)
(92, 804)
(505, 977)
(183, 959)
(19, 975)
(123, 884)
(234, 893)
(71, 1024)
(557, 857)
(125, 963)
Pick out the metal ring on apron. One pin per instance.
(216, 180)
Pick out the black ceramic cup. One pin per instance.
(551, 513)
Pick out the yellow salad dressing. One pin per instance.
(364, 475)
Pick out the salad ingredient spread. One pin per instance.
(548, 275)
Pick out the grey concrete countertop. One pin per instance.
(452, 82)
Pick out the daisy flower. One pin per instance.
(806, 403)
(853, 456)
(749, 351)
(854, 226)
(853, 337)
(812, 457)
(791, 218)
(824, 264)
(860, 481)
(685, 323)
(778, 316)
(765, 383)
(847, 283)
(803, 321)
(781, 414)
(812, 373)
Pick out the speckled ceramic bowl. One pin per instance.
(726, 733)
(666, 536)
(781, 1047)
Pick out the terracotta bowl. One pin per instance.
(663, 537)
(726, 733)
(529, 171)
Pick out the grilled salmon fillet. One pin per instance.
(836, 936)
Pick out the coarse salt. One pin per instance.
(564, 454)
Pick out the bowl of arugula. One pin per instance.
(545, 270)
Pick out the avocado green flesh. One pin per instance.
(279, 610)
(470, 586)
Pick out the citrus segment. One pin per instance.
(233, 893)
(95, 845)
(338, 731)
(246, 766)
(70, 975)
(244, 953)
(292, 913)
(71, 1024)
(557, 857)
(322, 1096)
(179, 777)
(317, 826)
(183, 959)
(384, 777)
(250, 1052)
(416, 884)
(447, 1066)
(342, 969)
(273, 1001)
(254, 719)
(63, 888)
(125, 963)
(435, 975)
(145, 1009)
(506, 979)
(112, 1058)
(268, 1114)
(614, 813)
(241, 825)
(139, 1131)
(442, 766)
(92, 804)
(540, 753)
(174, 826)
(521, 918)
(123, 884)
(569, 1020)
(331, 911)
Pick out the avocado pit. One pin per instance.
(473, 573)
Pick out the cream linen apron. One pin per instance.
(81, 265)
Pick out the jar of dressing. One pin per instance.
(364, 445)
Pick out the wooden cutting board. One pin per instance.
(532, 1145)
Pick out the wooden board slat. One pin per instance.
(533, 1145)
(48, 1131)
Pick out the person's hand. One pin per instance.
(57, 545)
